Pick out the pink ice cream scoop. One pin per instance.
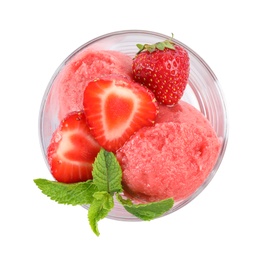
(86, 65)
(171, 159)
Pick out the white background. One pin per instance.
(223, 222)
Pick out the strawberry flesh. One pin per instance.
(123, 106)
(115, 108)
(72, 150)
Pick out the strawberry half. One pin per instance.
(72, 150)
(115, 108)
(163, 68)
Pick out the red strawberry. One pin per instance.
(72, 150)
(163, 68)
(115, 108)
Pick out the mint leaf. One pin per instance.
(107, 176)
(74, 194)
(107, 173)
(101, 205)
(147, 211)
(99, 192)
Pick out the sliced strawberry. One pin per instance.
(115, 108)
(72, 150)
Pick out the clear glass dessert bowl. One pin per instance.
(203, 92)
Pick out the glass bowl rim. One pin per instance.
(160, 35)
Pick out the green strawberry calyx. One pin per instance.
(167, 44)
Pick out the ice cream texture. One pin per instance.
(173, 158)
(69, 85)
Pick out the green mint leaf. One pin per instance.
(101, 205)
(107, 173)
(147, 211)
(73, 194)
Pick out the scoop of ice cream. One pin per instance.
(182, 112)
(171, 159)
(68, 87)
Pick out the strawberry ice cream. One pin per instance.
(172, 158)
(175, 156)
(86, 65)
(113, 127)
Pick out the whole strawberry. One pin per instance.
(163, 68)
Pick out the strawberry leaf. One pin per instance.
(147, 211)
(102, 204)
(150, 48)
(140, 46)
(107, 173)
(160, 46)
(72, 194)
(169, 45)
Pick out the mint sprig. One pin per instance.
(147, 211)
(100, 207)
(107, 173)
(99, 193)
(72, 194)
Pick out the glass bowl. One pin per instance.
(203, 92)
